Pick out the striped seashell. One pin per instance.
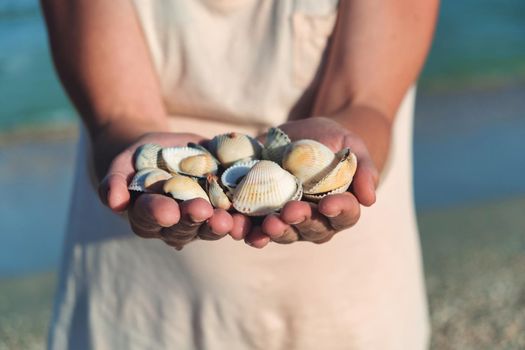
(189, 161)
(308, 160)
(339, 178)
(232, 176)
(148, 180)
(318, 196)
(275, 145)
(233, 147)
(265, 189)
(218, 198)
(184, 188)
(148, 156)
(198, 165)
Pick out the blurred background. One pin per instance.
(469, 143)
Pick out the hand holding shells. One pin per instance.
(237, 173)
(152, 214)
(319, 220)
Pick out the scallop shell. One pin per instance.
(340, 176)
(308, 160)
(202, 148)
(148, 156)
(318, 196)
(233, 147)
(189, 161)
(232, 176)
(275, 145)
(218, 198)
(198, 165)
(145, 180)
(184, 188)
(265, 189)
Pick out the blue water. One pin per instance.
(478, 40)
(467, 147)
(29, 89)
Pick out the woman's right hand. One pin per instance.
(159, 216)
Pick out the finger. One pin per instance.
(364, 186)
(279, 231)
(217, 226)
(242, 225)
(151, 212)
(366, 177)
(342, 210)
(312, 226)
(193, 214)
(294, 212)
(256, 238)
(113, 192)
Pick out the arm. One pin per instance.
(377, 51)
(103, 61)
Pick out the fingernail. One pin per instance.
(197, 221)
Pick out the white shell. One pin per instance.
(146, 179)
(338, 178)
(218, 198)
(233, 147)
(173, 156)
(147, 156)
(265, 189)
(199, 165)
(318, 196)
(308, 160)
(275, 145)
(184, 188)
(232, 176)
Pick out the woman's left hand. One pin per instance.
(306, 221)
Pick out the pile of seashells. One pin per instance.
(237, 171)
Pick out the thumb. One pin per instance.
(366, 177)
(113, 189)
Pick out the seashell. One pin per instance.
(232, 176)
(308, 160)
(202, 148)
(275, 145)
(148, 179)
(198, 165)
(218, 198)
(233, 147)
(340, 176)
(184, 188)
(318, 196)
(148, 156)
(265, 189)
(189, 161)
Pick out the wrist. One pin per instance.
(115, 136)
(372, 126)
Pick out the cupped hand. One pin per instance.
(318, 223)
(159, 216)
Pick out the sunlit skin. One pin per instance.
(101, 56)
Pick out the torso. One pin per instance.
(244, 64)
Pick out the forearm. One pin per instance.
(377, 51)
(102, 60)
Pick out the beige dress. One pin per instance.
(243, 65)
